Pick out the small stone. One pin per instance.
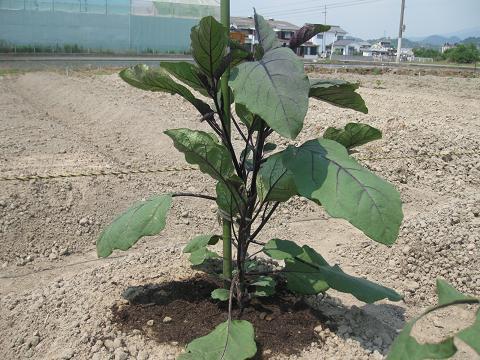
(269, 317)
(262, 315)
(167, 319)
(150, 322)
(117, 343)
(109, 344)
(120, 354)
(406, 249)
(67, 354)
(83, 221)
(53, 256)
(318, 328)
(143, 355)
(34, 341)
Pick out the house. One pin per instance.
(323, 40)
(448, 46)
(349, 47)
(283, 29)
(246, 25)
(383, 48)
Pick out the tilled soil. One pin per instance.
(56, 298)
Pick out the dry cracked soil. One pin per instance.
(56, 297)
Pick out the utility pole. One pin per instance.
(323, 35)
(400, 32)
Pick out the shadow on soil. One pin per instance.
(183, 310)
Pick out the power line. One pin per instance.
(320, 9)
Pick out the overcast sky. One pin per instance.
(371, 18)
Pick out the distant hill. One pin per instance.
(439, 40)
(472, 40)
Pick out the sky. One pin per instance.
(369, 19)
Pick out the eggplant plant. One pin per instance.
(269, 92)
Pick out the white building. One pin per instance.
(323, 40)
(349, 47)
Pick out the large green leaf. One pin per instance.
(364, 290)
(143, 219)
(309, 273)
(447, 293)
(282, 249)
(274, 181)
(209, 41)
(275, 88)
(266, 36)
(199, 256)
(471, 335)
(145, 78)
(302, 272)
(188, 74)
(337, 92)
(406, 347)
(201, 241)
(234, 341)
(324, 172)
(252, 121)
(228, 198)
(354, 134)
(203, 149)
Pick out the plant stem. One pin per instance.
(227, 249)
(227, 225)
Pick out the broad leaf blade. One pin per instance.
(354, 134)
(324, 172)
(282, 249)
(448, 294)
(146, 218)
(266, 36)
(302, 272)
(228, 199)
(274, 181)
(188, 74)
(199, 256)
(145, 78)
(471, 335)
(203, 149)
(247, 117)
(220, 294)
(209, 41)
(405, 347)
(234, 341)
(275, 88)
(305, 33)
(200, 241)
(337, 92)
(364, 290)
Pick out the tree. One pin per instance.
(463, 54)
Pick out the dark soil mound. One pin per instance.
(283, 323)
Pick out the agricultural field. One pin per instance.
(58, 301)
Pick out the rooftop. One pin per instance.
(248, 23)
